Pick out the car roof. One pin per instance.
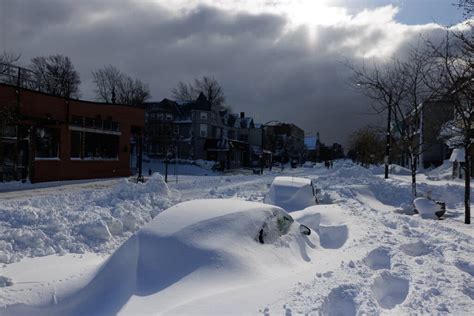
(189, 213)
(291, 181)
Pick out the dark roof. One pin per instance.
(201, 103)
(165, 105)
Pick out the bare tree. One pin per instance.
(384, 85)
(114, 86)
(454, 62)
(7, 59)
(55, 74)
(366, 145)
(107, 81)
(467, 6)
(7, 70)
(415, 71)
(209, 86)
(183, 92)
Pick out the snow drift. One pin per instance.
(91, 220)
(192, 245)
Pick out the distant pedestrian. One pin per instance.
(150, 172)
(331, 163)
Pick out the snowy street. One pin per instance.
(368, 254)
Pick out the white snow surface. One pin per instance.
(76, 222)
(368, 253)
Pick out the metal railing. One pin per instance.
(21, 77)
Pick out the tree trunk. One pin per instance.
(467, 184)
(413, 174)
(387, 144)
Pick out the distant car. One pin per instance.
(292, 193)
(294, 163)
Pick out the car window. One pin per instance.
(275, 226)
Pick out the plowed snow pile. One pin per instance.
(92, 220)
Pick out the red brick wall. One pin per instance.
(42, 106)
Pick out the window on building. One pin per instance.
(94, 145)
(47, 142)
(203, 130)
(159, 116)
(203, 116)
(77, 120)
(89, 122)
(169, 117)
(76, 144)
(96, 123)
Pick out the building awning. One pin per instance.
(457, 155)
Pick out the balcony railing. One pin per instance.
(21, 77)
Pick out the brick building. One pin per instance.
(55, 138)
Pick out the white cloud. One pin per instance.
(270, 66)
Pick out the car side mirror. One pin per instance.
(305, 230)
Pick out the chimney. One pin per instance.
(242, 114)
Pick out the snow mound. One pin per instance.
(443, 172)
(92, 220)
(205, 244)
(328, 222)
(392, 169)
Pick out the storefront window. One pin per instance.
(47, 143)
(94, 145)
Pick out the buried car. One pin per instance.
(191, 251)
(292, 193)
(428, 208)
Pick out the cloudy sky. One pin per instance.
(276, 59)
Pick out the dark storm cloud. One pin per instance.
(267, 69)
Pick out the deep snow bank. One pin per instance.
(328, 221)
(92, 220)
(204, 246)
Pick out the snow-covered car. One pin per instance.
(428, 208)
(292, 193)
(196, 248)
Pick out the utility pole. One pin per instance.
(140, 156)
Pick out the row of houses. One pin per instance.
(427, 136)
(50, 138)
(198, 130)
